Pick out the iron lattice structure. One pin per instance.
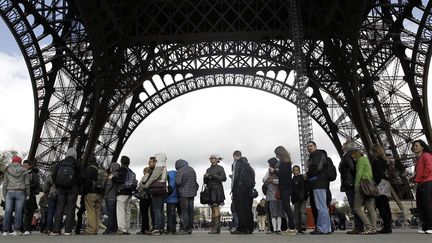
(99, 68)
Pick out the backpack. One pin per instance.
(331, 170)
(66, 173)
(102, 178)
(131, 182)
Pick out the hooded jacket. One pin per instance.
(159, 172)
(186, 180)
(16, 177)
(172, 198)
(317, 177)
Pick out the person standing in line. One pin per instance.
(243, 183)
(364, 171)
(187, 187)
(298, 198)
(31, 204)
(16, 189)
(50, 190)
(158, 176)
(92, 195)
(146, 205)
(261, 214)
(171, 201)
(423, 178)
(111, 199)
(213, 178)
(379, 167)
(347, 170)
(318, 184)
(43, 209)
(284, 173)
(271, 181)
(66, 176)
(125, 181)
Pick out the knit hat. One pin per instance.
(16, 159)
(273, 162)
(71, 152)
(124, 160)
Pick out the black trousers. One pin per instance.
(243, 207)
(383, 206)
(66, 200)
(29, 209)
(424, 204)
(146, 206)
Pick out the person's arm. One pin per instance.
(27, 185)
(5, 183)
(427, 165)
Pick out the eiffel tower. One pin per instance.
(93, 66)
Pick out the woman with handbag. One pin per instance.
(213, 179)
(364, 173)
(156, 186)
(423, 178)
(379, 168)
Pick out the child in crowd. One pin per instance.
(298, 198)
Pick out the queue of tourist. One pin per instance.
(365, 182)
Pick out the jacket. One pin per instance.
(364, 170)
(90, 179)
(299, 192)
(379, 167)
(241, 180)
(49, 188)
(216, 177)
(272, 186)
(284, 173)
(34, 182)
(423, 168)
(16, 177)
(317, 178)
(76, 180)
(347, 170)
(186, 179)
(173, 197)
(120, 179)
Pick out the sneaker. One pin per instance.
(421, 231)
(155, 232)
(354, 231)
(54, 234)
(428, 231)
(316, 232)
(120, 232)
(16, 233)
(68, 234)
(385, 231)
(27, 233)
(290, 232)
(4, 234)
(368, 232)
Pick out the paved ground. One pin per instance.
(403, 236)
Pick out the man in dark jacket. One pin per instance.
(31, 204)
(92, 196)
(241, 194)
(187, 188)
(318, 184)
(67, 191)
(111, 199)
(347, 170)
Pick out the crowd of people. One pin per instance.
(284, 186)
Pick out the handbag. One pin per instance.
(384, 188)
(204, 195)
(368, 188)
(158, 188)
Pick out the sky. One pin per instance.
(191, 127)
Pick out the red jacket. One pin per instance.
(423, 168)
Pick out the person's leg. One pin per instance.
(81, 211)
(323, 219)
(171, 218)
(158, 207)
(358, 224)
(191, 213)
(71, 199)
(286, 202)
(428, 204)
(90, 201)
(369, 205)
(52, 202)
(303, 215)
(9, 207)
(128, 206)
(121, 213)
(110, 204)
(60, 207)
(19, 209)
(358, 203)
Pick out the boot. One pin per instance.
(218, 224)
(213, 226)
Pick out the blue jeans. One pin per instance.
(111, 207)
(52, 203)
(14, 202)
(187, 213)
(158, 207)
(323, 220)
(171, 217)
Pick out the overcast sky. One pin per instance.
(191, 127)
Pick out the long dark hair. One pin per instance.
(426, 148)
(377, 151)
